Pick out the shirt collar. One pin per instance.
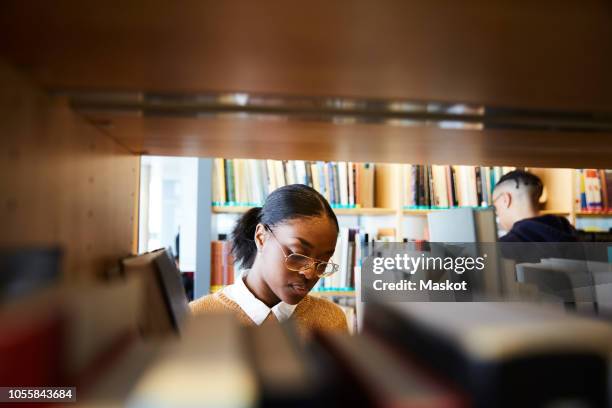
(253, 307)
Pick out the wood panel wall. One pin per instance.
(63, 182)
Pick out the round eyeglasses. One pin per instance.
(301, 263)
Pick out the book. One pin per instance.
(229, 181)
(222, 265)
(382, 378)
(439, 186)
(209, 367)
(165, 302)
(495, 351)
(284, 377)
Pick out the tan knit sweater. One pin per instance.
(311, 313)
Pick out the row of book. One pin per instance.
(248, 181)
(222, 268)
(437, 186)
(593, 190)
(347, 255)
(408, 354)
(66, 334)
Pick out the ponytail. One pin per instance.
(243, 237)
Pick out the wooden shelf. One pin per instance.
(346, 293)
(364, 211)
(417, 212)
(221, 209)
(593, 214)
(230, 209)
(425, 211)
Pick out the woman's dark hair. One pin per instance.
(283, 204)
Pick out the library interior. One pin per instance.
(199, 197)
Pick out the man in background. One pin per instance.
(516, 198)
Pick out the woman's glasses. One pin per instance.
(301, 263)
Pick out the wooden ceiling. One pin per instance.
(538, 55)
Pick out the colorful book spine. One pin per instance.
(439, 187)
(247, 182)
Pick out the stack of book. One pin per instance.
(593, 190)
(247, 182)
(435, 186)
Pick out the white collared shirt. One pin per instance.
(253, 307)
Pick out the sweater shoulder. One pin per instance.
(219, 303)
(322, 314)
(211, 303)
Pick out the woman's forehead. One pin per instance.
(314, 229)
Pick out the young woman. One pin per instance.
(284, 248)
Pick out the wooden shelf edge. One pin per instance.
(347, 293)
(593, 214)
(390, 211)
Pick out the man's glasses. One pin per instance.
(301, 263)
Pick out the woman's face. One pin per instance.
(314, 237)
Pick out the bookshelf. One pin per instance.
(72, 170)
(392, 183)
(96, 217)
(66, 183)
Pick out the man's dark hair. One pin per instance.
(521, 177)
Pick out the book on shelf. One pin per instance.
(345, 256)
(385, 378)
(165, 301)
(209, 366)
(409, 354)
(68, 334)
(247, 182)
(501, 354)
(437, 186)
(222, 265)
(593, 189)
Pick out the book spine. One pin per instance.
(336, 183)
(358, 184)
(583, 199)
(229, 174)
(351, 183)
(342, 183)
(308, 170)
(454, 190)
(604, 190)
(327, 177)
(478, 183)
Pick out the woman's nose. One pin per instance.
(309, 273)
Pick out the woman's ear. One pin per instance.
(260, 236)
